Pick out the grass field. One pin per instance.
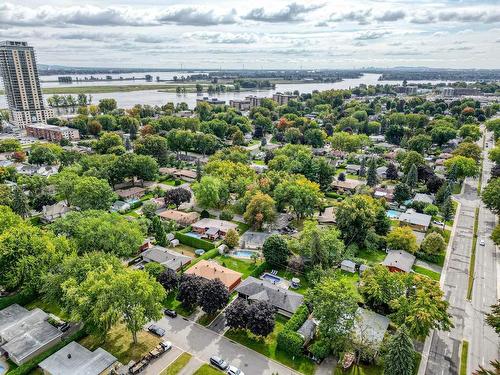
(176, 366)
(424, 271)
(372, 257)
(207, 370)
(119, 342)
(171, 303)
(472, 263)
(463, 357)
(184, 249)
(246, 267)
(267, 347)
(47, 307)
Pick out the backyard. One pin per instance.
(246, 267)
(267, 347)
(185, 250)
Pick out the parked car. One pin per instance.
(167, 345)
(440, 223)
(233, 370)
(219, 363)
(170, 313)
(64, 327)
(481, 242)
(158, 331)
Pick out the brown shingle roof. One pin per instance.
(211, 270)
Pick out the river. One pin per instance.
(154, 97)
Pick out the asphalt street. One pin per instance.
(203, 343)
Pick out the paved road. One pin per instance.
(442, 349)
(204, 343)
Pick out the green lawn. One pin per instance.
(360, 370)
(175, 367)
(185, 249)
(246, 267)
(206, 319)
(119, 343)
(372, 257)
(207, 370)
(424, 271)
(304, 284)
(171, 303)
(463, 357)
(259, 162)
(353, 278)
(267, 347)
(47, 307)
(242, 227)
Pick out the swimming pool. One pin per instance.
(393, 214)
(271, 278)
(193, 234)
(247, 254)
(2, 369)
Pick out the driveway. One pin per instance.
(160, 364)
(204, 343)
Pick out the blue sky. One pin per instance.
(256, 34)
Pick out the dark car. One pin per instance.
(64, 327)
(170, 313)
(218, 362)
(158, 331)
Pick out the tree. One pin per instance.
(107, 105)
(299, 194)
(422, 308)
(431, 210)
(154, 269)
(47, 153)
(380, 286)
(402, 238)
(400, 356)
(20, 202)
(261, 318)
(470, 131)
(108, 143)
(433, 244)
(152, 145)
(169, 280)
(189, 290)
(26, 254)
(402, 193)
(9, 219)
(391, 172)
(210, 192)
(464, 166)
(447, 209)
(495, 235)
(434, 183)
(493, 318)
(419, 143)
(491, 195)
(372, 179)
(177, 197)
(92, 193)
(362, 168)
(314, 137)
(442, 134)
(149, 210)
(412, 158)
(470, 150)
(334, 303)
(260, 210)
(341, 176)
(237, 314)
(159, 232)
(412, 177)
(275, 251)
(482, 371)
(214, 295)
(10, 145)
(232, 238)
(443, 193)
(355, 217)
(382, 222)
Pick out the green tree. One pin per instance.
(419, 143)
(402, 193)
(399, 359)
(442, 134)
(232, 238)
(465, 166)
(355, 217)
(447, 209)
(275, 250)
(92, 193)
(412, 158)
(20, 203)
(109, 142)
(470, 150)
(433, 244)
(46, 153)
(159, 232)
(9, 219)
(402, 238)
(379, 286)
(260, 210)
(299, 194)
(152, 145)
(334, 303)
(382, 222)
(470, 131)
(107, 105)
(491, 195)
(10, 145)
(412, 177)
(210, 192)
(372, 179)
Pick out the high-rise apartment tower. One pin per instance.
(22, 86)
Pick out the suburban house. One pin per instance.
(24, 334)
(347, 185)
(415, 220)
(75, 359)
(54, 211)
(424, 198)
(182, 174)
(168, 258)
(308, 330)
(212, 270)
(253, 240)
(386, 193)
(399, 261)
(382, 172)
(370, 327)
(182, 218)
(285, 301)
(131, 194)
(120, 206)
(352, 168)
(213, 228)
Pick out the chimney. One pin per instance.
(69, 355)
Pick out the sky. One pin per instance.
(258, 34)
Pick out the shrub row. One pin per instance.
(259, 270)
(298, 318)
(19, 298)
(288, 339)
(197, 243)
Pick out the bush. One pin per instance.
(19, 298)
(177, 182)
(226, 215)
(297, 319)
(320, 349)
(290, 342)
(259, 270)
(204, 214)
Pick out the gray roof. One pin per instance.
(399, 259)
(25, 331)
(169, 258)
(370, 326)
(307, 330)
(348, 263)
(261, 290)
(355, 167)
(413, 217)
(75, 359)
(253, 240)
(426, 198)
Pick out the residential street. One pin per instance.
(443, 348)
(204, 343)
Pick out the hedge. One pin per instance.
(208, 255)
(197, 243)
(290, 342)
(32, 364)
(19, 298)
(259, 270)
(298, 318)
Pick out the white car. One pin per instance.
(233, 370)
(167, 345)
(481, 242)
